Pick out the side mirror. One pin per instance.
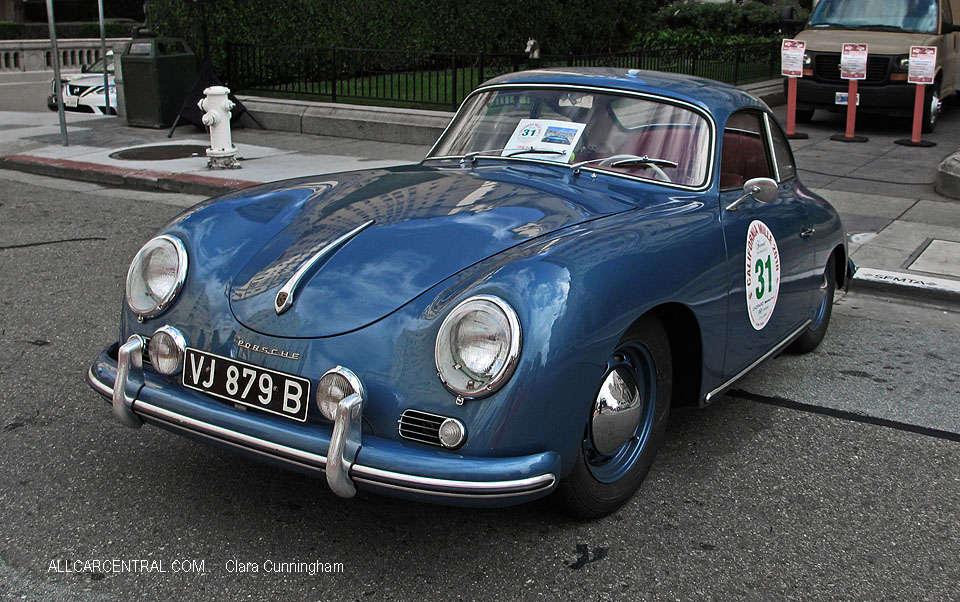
(763, 190)
(807, 4)
(951, 28)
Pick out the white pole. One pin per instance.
(58, 85)
(103, 53)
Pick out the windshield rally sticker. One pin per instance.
(763, 274)
(555, 140)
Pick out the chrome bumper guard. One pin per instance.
(338, 464)
(129, 380)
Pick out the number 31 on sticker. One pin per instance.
(762, 274)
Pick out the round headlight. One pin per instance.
(478, 346)
(166, 350)
(156, 275)
(335, 386)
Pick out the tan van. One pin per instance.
(889, 28)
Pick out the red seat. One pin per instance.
(742, 157)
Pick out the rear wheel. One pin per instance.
(628, 416)
(813, 335)
(804, 115)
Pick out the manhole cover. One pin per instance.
(163, 152)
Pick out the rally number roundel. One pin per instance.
(762, 274)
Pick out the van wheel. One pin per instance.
(931, 108)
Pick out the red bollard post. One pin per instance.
(792, 110)
(849, 135)
(915, 140)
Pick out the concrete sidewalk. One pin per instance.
(904, 237)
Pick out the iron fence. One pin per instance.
(441, 80)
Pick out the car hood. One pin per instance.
(878, 42)
(87, 79)
(427, 224)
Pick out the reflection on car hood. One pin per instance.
(428, 224)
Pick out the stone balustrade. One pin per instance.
(37, 55)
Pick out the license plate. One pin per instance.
(840, 98)
(71, 101)
(253, 386)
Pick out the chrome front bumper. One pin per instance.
(340, 466)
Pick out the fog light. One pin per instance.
(452, 433)
(335, 386)
(166, 350)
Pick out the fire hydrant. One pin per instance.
(216, 109)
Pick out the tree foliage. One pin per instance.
(561, 26)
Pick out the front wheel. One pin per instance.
(813, 335)
(628, 416)
(931, 108)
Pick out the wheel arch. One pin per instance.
(839, 257)
(686, 349)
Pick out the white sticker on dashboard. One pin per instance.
(556, 139)
(762, 274)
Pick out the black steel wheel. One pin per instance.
(624, 431)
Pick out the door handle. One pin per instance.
(807, 232)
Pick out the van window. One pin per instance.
(916, 16)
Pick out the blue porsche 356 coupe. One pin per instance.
(510, 317)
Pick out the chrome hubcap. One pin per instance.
(617, 411)
(622, 415)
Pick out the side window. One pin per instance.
(786, 166)
(743, 152)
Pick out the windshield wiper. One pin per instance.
(536, 151)
(831, 25)
(472, 156)
(624, 161)
(881, 27)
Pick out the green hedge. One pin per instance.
(692, 23)
(10, 31)
(561, 26)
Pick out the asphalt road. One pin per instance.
(831, 476)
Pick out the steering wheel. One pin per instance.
(609, 161)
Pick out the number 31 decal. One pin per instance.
(762, 274)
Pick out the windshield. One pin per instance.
(97, 67)
(639, 137)
(918, 16)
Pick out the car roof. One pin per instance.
(715, 97)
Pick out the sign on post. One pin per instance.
(853, 67)
(853, 61)
(923, 64)
(791, 58)
(923, 68)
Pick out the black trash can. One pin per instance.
(158, 74)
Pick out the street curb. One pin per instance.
(907, 286)
(948, 177)
(120, 177)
